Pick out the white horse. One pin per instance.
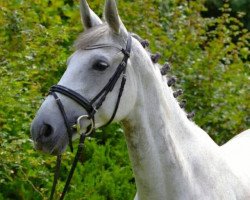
(171, 157)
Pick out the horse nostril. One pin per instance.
(46, 130)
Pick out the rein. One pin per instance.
(91, 107)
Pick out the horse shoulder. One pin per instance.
(238, 146)
(237, 153)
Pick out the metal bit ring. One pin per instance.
(78, 125)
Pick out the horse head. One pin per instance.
(100, 51)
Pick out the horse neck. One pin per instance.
(159, 137)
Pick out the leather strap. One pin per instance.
(72, 95)
(56, 176)
(73, 166)
(65, 119)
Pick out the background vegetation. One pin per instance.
(209, 53)
(235, 6)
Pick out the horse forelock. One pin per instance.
(91, 36)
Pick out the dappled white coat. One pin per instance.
(172, 158)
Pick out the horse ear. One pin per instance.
(89, 18)
(112, 16)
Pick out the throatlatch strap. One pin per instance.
(118, 99)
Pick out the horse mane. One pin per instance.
(170, 81)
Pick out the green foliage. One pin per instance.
(242, 6)
(210, 57)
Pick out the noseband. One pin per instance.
(91, 107)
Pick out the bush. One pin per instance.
(209, 56)
(237, 6)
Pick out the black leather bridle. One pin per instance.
(91, 107)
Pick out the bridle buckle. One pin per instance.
(126, 53)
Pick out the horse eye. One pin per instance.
(100, 66)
